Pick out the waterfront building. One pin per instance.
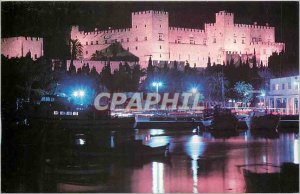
(21, 46)
(283, 96)
(151, 35)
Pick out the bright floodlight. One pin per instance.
(194, 90)
(263, 94)
(156, 84)
(81, 93)
(75, 94)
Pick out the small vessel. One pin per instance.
(289, 123)
(224, 123)
(264, 126)
(268, 178)
(172, 120)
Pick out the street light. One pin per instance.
(194, 90)
(157, 84)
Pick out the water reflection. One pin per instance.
(198, 163)
(158, 177)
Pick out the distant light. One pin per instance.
(194, 90)
(157, 84)
(81, 93)
(263, 94)
(75, 93)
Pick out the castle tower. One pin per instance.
(150, 30)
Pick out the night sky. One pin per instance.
(53, 19)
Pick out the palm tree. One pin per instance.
(76, 49)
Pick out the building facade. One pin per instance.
(21, 46)
(283, 96)
(151, 35)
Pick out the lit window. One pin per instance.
(55, 112)
(277, 87)
(75, 113)
(62, 113)
(69, 113)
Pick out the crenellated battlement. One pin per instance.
(150, 12)
(96, 32)
(186, 29)
(209, 24)
(268, 43)
(221, 13)
(253, 26)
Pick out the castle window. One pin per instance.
(214, 40)
(145, 25)
(86, 43)
(116, 40)
(243, 41)
(136, 39)
(160, 36)
(135, 26)
(276, 86)
(35, 56)
(127, 39)
(283, 86)
(136, 48)
(175, 41)
(92, 43)
(273, 86)
(159, 46)
(122, 40)
(234, 40)
(26, 38)
(204, 41)
(159, 55)
(179, 39)
(160, 26)
(289, 85)
(264, 51)
(146, 38)
(192, 40)
(97, 42)
(37, 38)
(31, 38)
(86, 52)
(127, 48)
(105, 42)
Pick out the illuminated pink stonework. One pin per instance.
(20, 46)
(151, 35)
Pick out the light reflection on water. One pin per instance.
(200, 163)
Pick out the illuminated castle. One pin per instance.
(21, 46)
(151, 35)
